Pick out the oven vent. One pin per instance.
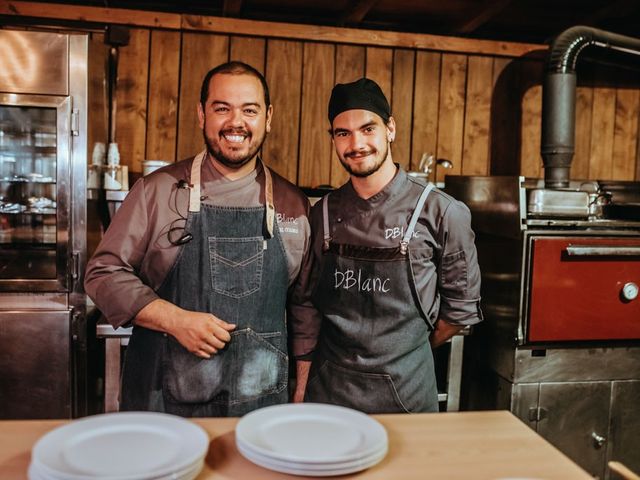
(559, 96)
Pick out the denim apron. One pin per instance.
(374, 353)
(235, 268)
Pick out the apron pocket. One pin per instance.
(236, 265)
(368, 392)
(263, 368)
(248, 368)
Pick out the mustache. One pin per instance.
(235, 131)
(359, 153)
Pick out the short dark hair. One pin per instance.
(233, 68)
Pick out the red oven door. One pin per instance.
(584, 288)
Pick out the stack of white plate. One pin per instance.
(311, 439)
(119, 446)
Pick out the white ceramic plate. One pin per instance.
(314, 470)
(248, 452)
(284, 466)
(189, 473)
(311, 433)
(118, 446)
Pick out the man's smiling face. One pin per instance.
(362, 141)
(235, 119)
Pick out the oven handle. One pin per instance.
(602, 250)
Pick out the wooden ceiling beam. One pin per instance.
(231, 8)
(357, 12)
(199, 23)
(483, 14)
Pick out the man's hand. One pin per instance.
(203, 334)
(443, 331)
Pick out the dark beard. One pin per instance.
(370, 171)
(234, 163)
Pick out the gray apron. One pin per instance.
(235, 268)
(374, 353)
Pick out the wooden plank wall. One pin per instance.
(481, 112)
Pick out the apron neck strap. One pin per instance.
(325, 223)
(194, 192)
(268, 199)
(407, 236)
(414, 218)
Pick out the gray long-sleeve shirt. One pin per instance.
(451, 294)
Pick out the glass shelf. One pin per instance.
(30, 212)
(25, 149)
(48, 181)
(30, 190)
(27, 246)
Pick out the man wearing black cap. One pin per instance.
(395, 272)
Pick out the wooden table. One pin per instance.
(461, 445)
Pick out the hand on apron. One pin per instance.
(203, 334)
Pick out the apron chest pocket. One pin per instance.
(236, 265)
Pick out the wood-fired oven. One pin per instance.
(560, 345)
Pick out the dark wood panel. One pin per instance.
(97, 128)
(530, 158)
(315, 145)
(402, 104)
(625, 140)
(350, 63)
(97, 102)
(164, 73)
(486, 123)
(505, 118)
(531, 127)
(200, 53)
(602, 128)
(350, 66)
(131, 116)
(284, 77)
(426, 101)
(451, 113)
(379, 67)
(475, 152)
(584, 108)
(250, 50)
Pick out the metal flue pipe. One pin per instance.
(559, 96)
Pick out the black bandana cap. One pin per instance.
(363, 94)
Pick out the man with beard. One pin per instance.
(199, 259)
(395, 272)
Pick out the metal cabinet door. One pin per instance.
(576, 421)
(35, 364)
(624, 445)
(524, 403)
(35, 186)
